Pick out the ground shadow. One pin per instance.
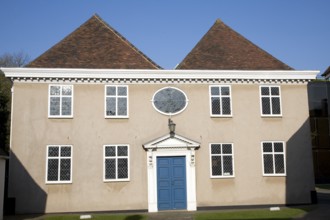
(300, 187)
(24, 195)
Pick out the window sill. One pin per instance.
(272, 116)
(222, 177)
(58, 183)
(60, 117)
(274, 175)
(116, 180)
(116, 117)
(221, 116)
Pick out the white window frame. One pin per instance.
(270, 96)
(221, 154)
(273, 153)
(220, 96)
(116, 97)
(60, 96)
(116, 158)
(169, 114)
(59, 157)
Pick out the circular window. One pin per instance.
(169, 101)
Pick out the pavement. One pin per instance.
(321, 211)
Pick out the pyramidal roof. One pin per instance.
(222, 48)
(94, 44)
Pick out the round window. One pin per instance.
(170, 101)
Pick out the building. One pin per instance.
(318, 96)
(3, 158)
(98, 126)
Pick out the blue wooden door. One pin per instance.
(171, 183)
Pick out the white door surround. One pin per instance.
(171, 146)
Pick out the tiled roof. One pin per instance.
(94, 45)
(222, 48)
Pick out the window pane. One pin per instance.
(216, 166)
(225, 90)
(215, 91)
(122, 106)
(169, 100)
(122, 151)
(275, 91)
(265, 106)
(54, 106)
(226, 149)
(215, 149)
(111, 90)
(111, 106)
(122, 91)
(267, 147)
(52, 173)
(264, 91)
(279, 163)
(268, 164)
(110, 169)
(276, 105)
(278, 147)
(53, 152)
(110, 151)
(122, 168)
(66, 151)
(66, 90)
(226, 106)
(227, 165)
(215, 105)
(55, 90)
(65, 169)
(66, 106)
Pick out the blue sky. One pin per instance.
(295, 31)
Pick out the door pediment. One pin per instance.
(168, 142)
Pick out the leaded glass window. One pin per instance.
(116, 163)
(273, 156)
(116, 101)
(59, 164)
(270, 100)
(60, 101)
(220, 101)
(222, 160)
(170, 101)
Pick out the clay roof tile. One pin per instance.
(95, 44)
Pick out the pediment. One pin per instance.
(167, 141)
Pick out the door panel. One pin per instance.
(171, 182)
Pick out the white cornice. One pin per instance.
(155, 76)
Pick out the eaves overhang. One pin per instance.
(130, 76)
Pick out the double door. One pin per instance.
(171, 183)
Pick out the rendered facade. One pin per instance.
(94, 129)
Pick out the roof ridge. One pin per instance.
(219, 27)
(126, 41)
(254, 45)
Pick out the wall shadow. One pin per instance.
(300, 185)
(24, 195)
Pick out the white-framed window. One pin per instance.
(221, 160)
(273, 158)
(116, 101)
(170, 101)
(270, 101)
(59, 164)
(60, 101)
(116, 163)
(220, 101)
